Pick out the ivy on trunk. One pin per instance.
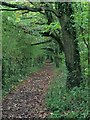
(70, 45)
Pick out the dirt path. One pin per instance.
(27, 101)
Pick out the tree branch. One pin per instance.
(56, 38)
(50, 35)
(9, 9)
(49, 49)
(20, 7)
(54, 12)
(41, 42)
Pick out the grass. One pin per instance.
(67, 104)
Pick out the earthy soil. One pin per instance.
(27, 100)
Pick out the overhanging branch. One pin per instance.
(41, 42)
(32, 9)
(56, 38)
(9, 9)
(20, 7)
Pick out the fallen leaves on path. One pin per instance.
(27, 101)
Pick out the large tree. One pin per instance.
(66, 36)
(70, 44)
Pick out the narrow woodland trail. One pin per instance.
(27, 101)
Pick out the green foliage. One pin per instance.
(18, 54)
(52, 27)
(20, 58)
(81, 23)
(67, 104)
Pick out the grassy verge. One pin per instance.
(71, 104)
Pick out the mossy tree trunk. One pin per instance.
(70, 45)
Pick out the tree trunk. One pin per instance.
(57, 61)
(72, 56)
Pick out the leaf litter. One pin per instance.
(27, 100)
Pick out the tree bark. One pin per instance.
(72, 56)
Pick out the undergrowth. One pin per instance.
(68, 104)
